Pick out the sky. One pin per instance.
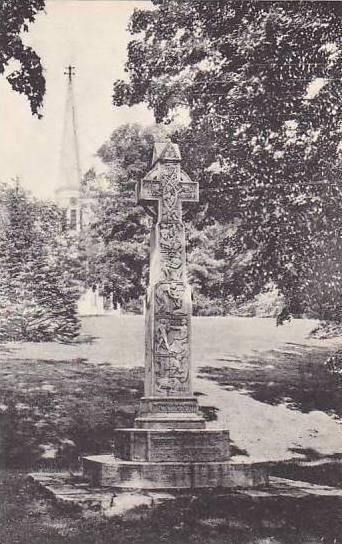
(91, 35)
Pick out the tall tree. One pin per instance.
(38, 272)
(118, 258)
(261, 81)
(15, 17)
(206, 266)
(118, 255)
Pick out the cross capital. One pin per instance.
(167, 184)
(166, 152)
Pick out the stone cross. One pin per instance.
(169, 446)
(168, 306)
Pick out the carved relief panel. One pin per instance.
(170, 298)
(170, 203)
(172, 251)
(171, 355)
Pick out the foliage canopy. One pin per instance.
(261, 82)
(15, 17)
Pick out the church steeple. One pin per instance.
(68, 191)
(70, 156)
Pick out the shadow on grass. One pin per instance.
(297, 378)
(315, 468)
(85, 339)
(55, 412)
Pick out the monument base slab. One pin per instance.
(106, 470)
(72, 494)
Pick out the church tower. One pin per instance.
(75, 198)
(68, 191)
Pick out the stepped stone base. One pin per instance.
(169, 448)
(106, 470)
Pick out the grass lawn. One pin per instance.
(27, 518)
(68, 398)
(266, 384)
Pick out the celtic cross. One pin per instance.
(168, 308)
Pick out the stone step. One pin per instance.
(160, 445)
(324, 471)
(105, 500)
(106, 470)
(285, 487)
(171, 421)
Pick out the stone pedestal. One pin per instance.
(169, 446)
(169, 412)
(179, 445)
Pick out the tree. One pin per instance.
(38, 272)
(206, 266)
(15, 17)
(118, 256)
(261, 82)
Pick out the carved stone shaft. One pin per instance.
(168, 307)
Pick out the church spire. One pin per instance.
(70, 170)
(68, 191)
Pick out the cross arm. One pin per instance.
(189, 191)
(148, 191)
